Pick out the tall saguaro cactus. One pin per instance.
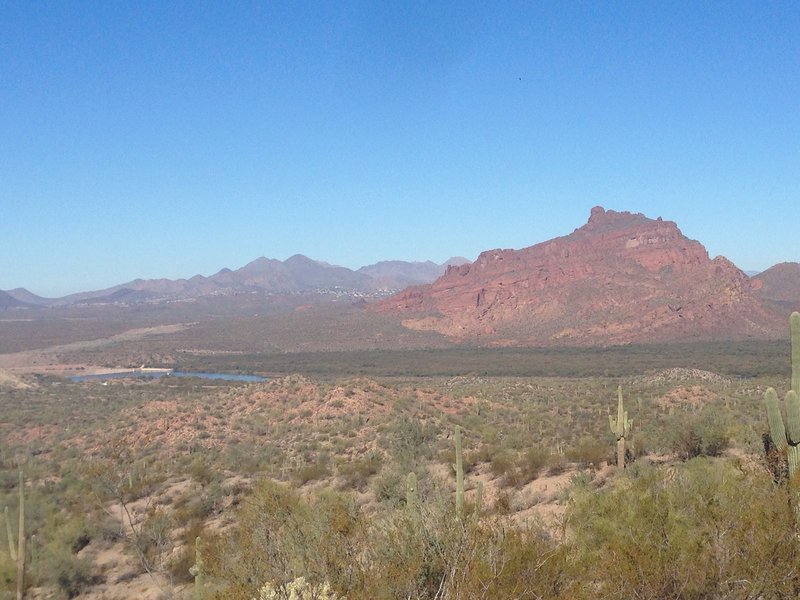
(794, 328)
(21, 540)
(198, 571)
(459, 476)
(787, 437)
(19, 556)
(620, 428)
(18, 553)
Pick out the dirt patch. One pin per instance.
(46, 360)
(11, 381)
(692, 397)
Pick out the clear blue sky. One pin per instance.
(166, 139)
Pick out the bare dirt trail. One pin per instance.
(47, 360)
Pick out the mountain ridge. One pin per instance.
(298, 274)
(620, 278)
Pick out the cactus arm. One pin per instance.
(776, 429)
(792, 417)
(794, 325)
(459, 476)
(21, 540)
(793, 457)
(620, 428)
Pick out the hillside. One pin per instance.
(621, 278)
(780, 285)
(9, 301)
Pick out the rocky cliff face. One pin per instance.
(620, 278)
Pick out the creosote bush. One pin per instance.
(395, 554)
(590, 452)
(299, 589)
(704, 529)
(699, 434)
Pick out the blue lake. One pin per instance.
(159, 374)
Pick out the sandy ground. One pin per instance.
(45, 360)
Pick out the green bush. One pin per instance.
(389, 486)
(503, 466)
(356, 474)
(531, 463)
(699, 434)
(64, 570)
(709, 530)
(590, 452)
(394, 554)
(312, 472)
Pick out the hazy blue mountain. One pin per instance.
(295, 275)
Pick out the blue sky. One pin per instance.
(166, 139)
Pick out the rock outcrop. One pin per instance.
(621, 278)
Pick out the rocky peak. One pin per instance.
(622, 277)
(601, 219)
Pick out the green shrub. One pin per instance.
(64, 570)
(590, 452)
(356, 474)
(531, 463)
(503, 466)
(390, 487)
(709, 530)
(312, 472)
(699, 434)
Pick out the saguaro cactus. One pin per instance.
(787, 438)
(17, 551)
(794, 328)
(19, 556)
(620, 428)
(197, 570)
(459, 476)
(21, 540)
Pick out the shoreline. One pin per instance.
(79, 369)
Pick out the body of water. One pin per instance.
(159, 374)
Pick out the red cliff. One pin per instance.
(620, 278)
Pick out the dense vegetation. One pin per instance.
(734, 359)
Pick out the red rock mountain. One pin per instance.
(621, 278)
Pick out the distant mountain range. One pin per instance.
(621, 278)
(296, 275)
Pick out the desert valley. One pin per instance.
(580, 418)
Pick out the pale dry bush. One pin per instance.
(299, 589)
